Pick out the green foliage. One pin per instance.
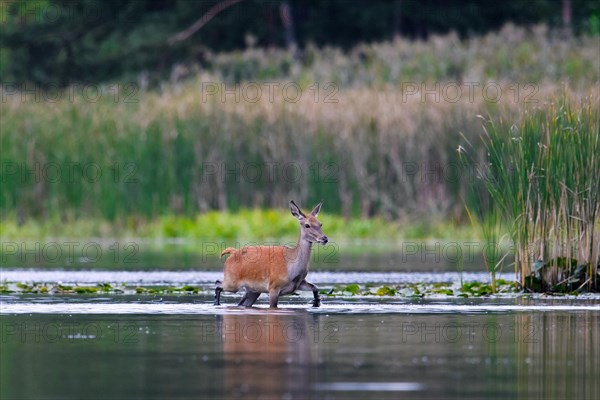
(352, 288)
(25, 288)
(386, 291)
(594, 25)
(86, 290)
(447, 292)
(476, 289)
(272, 224)
(105, 287)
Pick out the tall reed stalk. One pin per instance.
(487, 219)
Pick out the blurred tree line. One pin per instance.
(58, 42)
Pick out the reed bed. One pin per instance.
(371, 153)
(368, 144)
(542, 174)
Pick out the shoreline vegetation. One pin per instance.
(246, 225)
(204, 236)
(380, 140)
(394, 137)
(405, 290)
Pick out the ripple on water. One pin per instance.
(176, 308)
(369, 386)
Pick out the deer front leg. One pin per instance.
(218, 291)
(304, 285)
(249, 298)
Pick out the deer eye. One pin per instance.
(307, 226)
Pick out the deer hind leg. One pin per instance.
(304, 285)
(273, 298)
(249, 298)
(218, 291)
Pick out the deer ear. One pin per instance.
(296, 212)
(316, 210)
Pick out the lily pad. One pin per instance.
(353, 288)
(386, 291)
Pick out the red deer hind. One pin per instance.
(276, 270)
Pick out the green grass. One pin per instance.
(245, 225)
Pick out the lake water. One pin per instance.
(182, 347)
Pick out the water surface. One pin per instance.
(71, 346)
(181, 348)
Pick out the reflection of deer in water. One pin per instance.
(267, 356)
(277, 270)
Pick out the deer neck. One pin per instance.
(301, 256)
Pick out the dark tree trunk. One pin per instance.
(285, 11)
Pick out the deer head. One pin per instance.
(310, 227)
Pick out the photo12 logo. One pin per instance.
(69, 332)
(24, 12)
(453, 92)
(59, 253)
(252, 92)
(265, 332)
(53, 92)
(468, 332)
(67, 172)
(270, 172)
